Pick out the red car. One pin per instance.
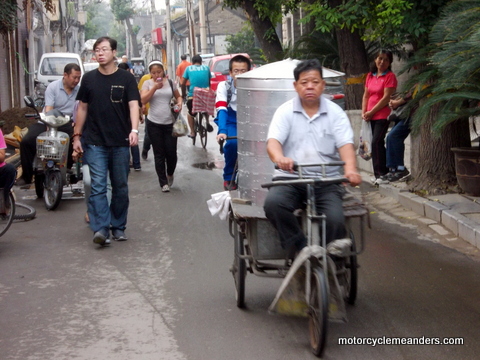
(219, 67)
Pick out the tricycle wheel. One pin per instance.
(53, 189)
(39, 184)
(318, 311)
(351, 274)
(239, 268)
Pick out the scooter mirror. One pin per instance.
(29, 101)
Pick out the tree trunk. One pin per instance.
(353, 62)
(271, 46)
(432, 161)
(135, 52)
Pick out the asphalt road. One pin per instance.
(167, 292)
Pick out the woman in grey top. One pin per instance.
(158, 91)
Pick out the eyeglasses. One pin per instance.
(102, 50)
(239, 71)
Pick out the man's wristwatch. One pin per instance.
(135, 131)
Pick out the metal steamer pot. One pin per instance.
(259, 93)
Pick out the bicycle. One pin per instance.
(7, 211)
(200, 126)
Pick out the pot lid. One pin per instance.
(283, 70)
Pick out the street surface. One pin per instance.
(167, 292)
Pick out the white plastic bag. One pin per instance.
(365, 145)
(180, 127)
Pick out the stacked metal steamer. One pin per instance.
(259, 93)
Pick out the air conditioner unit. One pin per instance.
(82, 17)
(55, 15)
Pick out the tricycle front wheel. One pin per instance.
(318, 311)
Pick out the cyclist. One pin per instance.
(226, 105)
(199, 76)
(309, 129)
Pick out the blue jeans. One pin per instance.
(135, 157)
(395, 144)
(104, 161)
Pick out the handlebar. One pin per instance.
(315, 182)
(318, 181)
(221, 141)
(297, 167)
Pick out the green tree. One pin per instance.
(244, 42)
(123, 11)
(8, 14)
(100, 20)
(449, 93)
(264, 15)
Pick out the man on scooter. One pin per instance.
(60, 94)
(309, 129)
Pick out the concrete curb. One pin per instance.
(450, 216)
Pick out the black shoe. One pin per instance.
(119, 235)
(21, 182)
(399, 175)
(209, 127)
(144, 154)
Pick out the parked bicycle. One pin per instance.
(11, 210)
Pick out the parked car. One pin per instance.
(206, 58)
(219, 67)
(50, 68)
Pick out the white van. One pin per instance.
(51, 68)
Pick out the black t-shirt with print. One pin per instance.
(108, 117)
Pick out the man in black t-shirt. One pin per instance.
(108, 106)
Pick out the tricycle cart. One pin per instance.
(320, 279)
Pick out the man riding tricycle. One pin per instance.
(311, 243)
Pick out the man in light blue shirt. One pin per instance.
(60, 94)
(199, 76)
(309, 129)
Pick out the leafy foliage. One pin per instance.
(386, 21)
(8, 14)
(244, 42)
(450, 75)
(122, 9)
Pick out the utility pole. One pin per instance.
(203, 27)
(153, 13)
(191, 28)
(170, 57)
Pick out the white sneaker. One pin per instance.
(165, 188)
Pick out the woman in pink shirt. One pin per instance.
(380, 84)
(8, 173)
